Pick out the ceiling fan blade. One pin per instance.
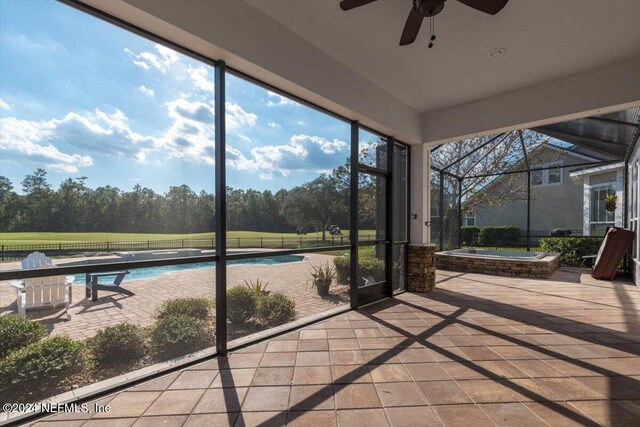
(411, 27)
(352, 4)
(487, 6)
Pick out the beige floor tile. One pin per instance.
(400, 394)
(266, 399)
(173, 402)
(311, 398)
(362, 418)
(312, 375)
(412, 416)
(350, 396)
(312, 419)
(273, 376)
(221, 400)
(462, 415)
(389, 373)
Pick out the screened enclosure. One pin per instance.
(511, 190)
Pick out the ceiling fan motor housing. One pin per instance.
(428, 8)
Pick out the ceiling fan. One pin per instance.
(421, 9)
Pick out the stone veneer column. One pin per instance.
(422, 268)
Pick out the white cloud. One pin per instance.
(301, 153)
(200, 78)
(19, 141)
(237, 117)
(245, 138)
(149, 92)
(161, 59)
(191, 135)
(4, 105)
(273, 125)
(276, 99)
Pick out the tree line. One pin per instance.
(75, 207)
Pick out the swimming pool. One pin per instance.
(145, 273)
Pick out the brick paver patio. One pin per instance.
(293, 279)
(480, 350)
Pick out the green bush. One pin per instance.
(499, 235)
(371, 266)
(178, 335)
(242, 303)
(368, 265)
(469, 234)
(198, 308)
(17, 332)
(571, 249)
(343, 265)
(276, 309)
(117, 344)
(48, 361)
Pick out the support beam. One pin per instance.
(221, 210)
(420, 195)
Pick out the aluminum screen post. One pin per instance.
(221, 210)
(460, 212)
(528, 210)
(441, 211)
(353, 218)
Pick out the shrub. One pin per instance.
(178, 335)
(241, 304)
(368, 265)
(17, 332)
(499, 235)
(571, 249)
(259, 288)
(469, 234)
(198, 308)
(277, 308)
(118, 344)
(342, 264)
(371, 266)
(47, 361)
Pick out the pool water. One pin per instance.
(145, 273)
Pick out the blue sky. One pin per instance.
(80, 97)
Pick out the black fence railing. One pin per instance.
(518, 244)
(12, 252)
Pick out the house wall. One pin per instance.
(552, 206)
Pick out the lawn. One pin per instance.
(41, 238)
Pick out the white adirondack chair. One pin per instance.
(35, 260)
(49, 291)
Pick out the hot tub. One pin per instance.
(539, 265)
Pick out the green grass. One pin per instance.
(41, 238)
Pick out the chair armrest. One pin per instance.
(18, 284)
(69, 280)
(589, 256)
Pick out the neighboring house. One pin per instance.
(597, 182)
(560, 197)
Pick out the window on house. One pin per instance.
(601, 218)
(469, 219)
(552, 174)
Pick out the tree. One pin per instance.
(37, 209)
(316, 203)
(481, 170)
(8, 204)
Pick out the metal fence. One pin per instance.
(11, 252)
(535, 240)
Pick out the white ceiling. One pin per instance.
(545, 40)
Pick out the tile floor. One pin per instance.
(478, 351)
